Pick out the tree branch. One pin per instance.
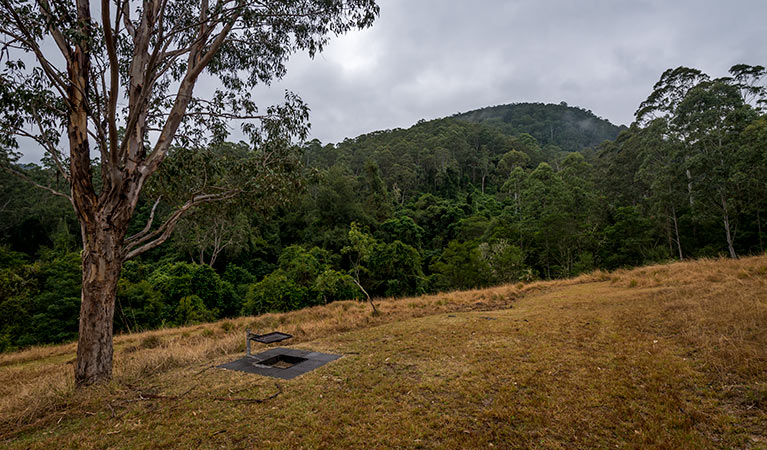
(114, 81)
(58, 36)
(184, 94)
(164, 231)
(36, 184)
(43, 140)
(148, 223)
(54, 76)
(126, 19)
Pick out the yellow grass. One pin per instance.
(668, 356)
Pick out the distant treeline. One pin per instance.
(487, 197)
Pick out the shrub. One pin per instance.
(191, 309)
(333, 285)
(276, 292)
(395, 270)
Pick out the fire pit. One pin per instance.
(284, 363)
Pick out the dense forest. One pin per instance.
(504, 194)
(568, 128)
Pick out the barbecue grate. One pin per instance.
(269, 338)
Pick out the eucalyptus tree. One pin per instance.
(705, 118)
(111, 84)
(210, 231)
(662, 170)
(752, 166)
(661, 104)
(712, 116)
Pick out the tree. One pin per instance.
(506, 261)
(395, 269)
(376, 203)
(334, 285)
(712, 115)
(276, 292)
(401, 229)
(663, 101)
(662, 170)
(548, 220)
(149, 57)
(461, 266)
(752, 167)
(628, 240)
(360, 250)
(707, 118)
(509, 162)
(209, 231)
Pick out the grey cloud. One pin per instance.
(433, 58)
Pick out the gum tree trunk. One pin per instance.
(676, 233)
(727, 228)
(102, 261)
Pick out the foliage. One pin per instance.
(332, 285)
(505, 261)
(447, 204)
(461, 266)
(148, 58)
(276, 292)
(395, 270)
(40, 301)
(191, 309)
(569, 128)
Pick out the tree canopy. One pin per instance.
(445, 204)
(110, 95)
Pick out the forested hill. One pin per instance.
(569, 128)
(443, 205)
(479, 148)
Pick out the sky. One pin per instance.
(425, 59)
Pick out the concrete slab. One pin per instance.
(252, 364)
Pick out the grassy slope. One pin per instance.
(671, 356)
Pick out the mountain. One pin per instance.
(569, 128)
(444, 156)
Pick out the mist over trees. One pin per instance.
(500, 195)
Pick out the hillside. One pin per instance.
(666, 356)
(447, 204)
(570, 128)
(446, 155)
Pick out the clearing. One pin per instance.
(668, 356)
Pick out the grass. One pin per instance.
(669, 356)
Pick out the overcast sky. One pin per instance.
(425, 59)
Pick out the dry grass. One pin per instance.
(670, 356)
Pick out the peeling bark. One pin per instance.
(102, 261)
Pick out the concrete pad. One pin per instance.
(306, 361)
